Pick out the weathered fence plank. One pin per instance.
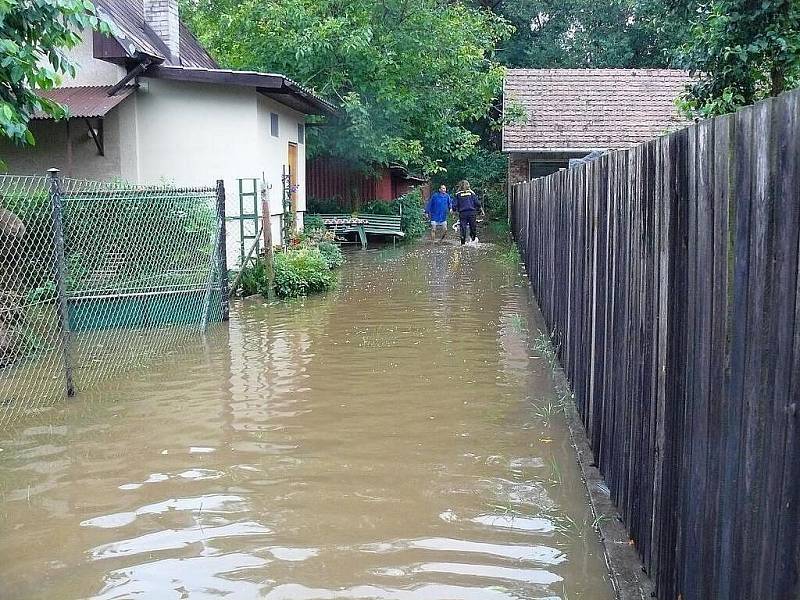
(668, 278)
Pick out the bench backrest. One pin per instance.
(381, 222)
(376, 223)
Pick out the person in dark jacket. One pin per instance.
(467, 204)
(438, 206)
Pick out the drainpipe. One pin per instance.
(135, 72)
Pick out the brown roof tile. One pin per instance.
(586, 109)
(134, 35)
(85, 101)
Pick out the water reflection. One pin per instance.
(380, 442)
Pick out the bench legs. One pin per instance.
(362, 235)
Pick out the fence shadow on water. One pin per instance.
(668, 275)
(97, 278)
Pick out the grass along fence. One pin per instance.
(668, 276)
(96, 278)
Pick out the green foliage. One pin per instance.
(312, 223)
(379, 207)
(410, 75)
(742, 51)
(300, 272)
(412, 222)
(179, 231)
(510, 256)
(486, 170)
(254, 278)
(33, 40)
(332, 254)
(35, 249)
(586, 33)
(324, 206)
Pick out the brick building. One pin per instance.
(571, 112)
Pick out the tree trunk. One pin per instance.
(778, 77)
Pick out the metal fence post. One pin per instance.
(287, 222)
(222, 251)
(60, 276)
(266, 226)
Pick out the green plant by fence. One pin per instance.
(99, 277)
(668, 275)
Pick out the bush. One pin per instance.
(379, 207)
(324, 206)
(312, 223)
(413, 222)
(332, 254)
(254, 278)
(300, 272)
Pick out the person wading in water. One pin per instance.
(467, 204)
(437, 208)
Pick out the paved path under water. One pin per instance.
(396, 439)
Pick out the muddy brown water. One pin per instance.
(398, 438)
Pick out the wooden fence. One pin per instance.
(668, 276)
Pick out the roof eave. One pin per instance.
(315, 104)
(545, 150)
(277, 87)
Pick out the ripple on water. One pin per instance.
(363, 445)
(207, 504)
(173, 539)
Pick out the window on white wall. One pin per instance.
(301, 133)
(273, 124)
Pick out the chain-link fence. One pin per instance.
(97, 278)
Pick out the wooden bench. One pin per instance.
(383, 225)
(374, 224)
(341, 224)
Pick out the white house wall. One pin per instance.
(51, 150)
(91, 71)
(192, 134)
(275, 153)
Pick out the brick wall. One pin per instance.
(162, 16)
(517, 168)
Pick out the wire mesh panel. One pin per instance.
(97, 278)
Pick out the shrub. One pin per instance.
(254, 278)
(314, 237)
(312, 223)
(324, 206)
(413, 222)
(379, 207)
(300, 272)
(332, 254)
(510, 256)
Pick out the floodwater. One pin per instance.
(399, 438)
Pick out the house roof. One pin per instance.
(586, 109)
(135, 36)
(86, 101)
(134, 41)
(275, 86)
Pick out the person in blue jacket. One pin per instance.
(439, 204)
(467, 204)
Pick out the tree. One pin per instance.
(410, 75)
(34, 35)
(584, 33)
(741, 51)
